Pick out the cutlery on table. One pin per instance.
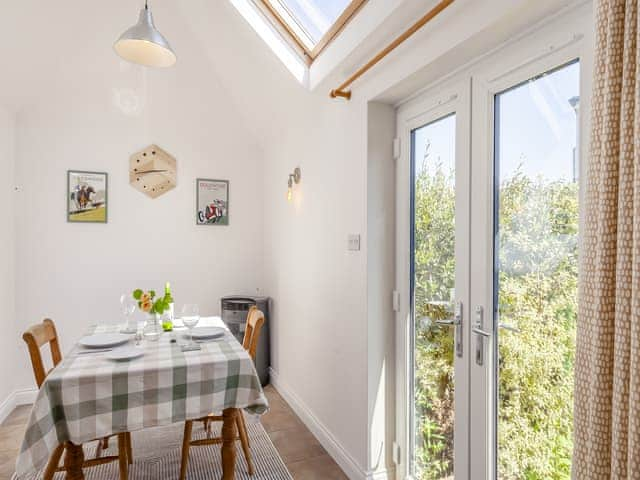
(103, 350)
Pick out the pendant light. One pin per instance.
(144, 44)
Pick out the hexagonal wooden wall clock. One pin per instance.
(152, 171)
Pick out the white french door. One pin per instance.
(487, 243)
(433, 175)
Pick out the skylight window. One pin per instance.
(311, 19)
(262, 27)
(311, 24)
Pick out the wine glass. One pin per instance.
(190, 317)
(128, 305)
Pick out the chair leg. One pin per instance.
(73, 461)
(103, 444)
(244, 440)
(129, 448)
(53, 463)
(122, 456)
(186, 443)
(244, 426)
(205, 427)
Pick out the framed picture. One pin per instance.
(212, 202)
(86, 197)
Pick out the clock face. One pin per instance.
(152, 171)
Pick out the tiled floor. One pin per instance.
(304, 456)
(11, 432)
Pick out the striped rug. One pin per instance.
(157, 454)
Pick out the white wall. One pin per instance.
(320, 289)
(75, 273)
(8, 337)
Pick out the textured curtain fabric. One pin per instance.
(607, 400)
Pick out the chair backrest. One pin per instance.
(35, 337)
(255, 321)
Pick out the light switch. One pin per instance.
(353, 242)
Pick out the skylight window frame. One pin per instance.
(294, 38)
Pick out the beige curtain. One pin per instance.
(607, 402)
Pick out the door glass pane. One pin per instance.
(536, 269)
(433, 240)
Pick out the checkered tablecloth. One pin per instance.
(88, 396)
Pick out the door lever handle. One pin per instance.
(448, 322)
(482, 334)
(456, 321)
(479, 331)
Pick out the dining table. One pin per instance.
(88, 396)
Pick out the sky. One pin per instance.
(536, 128)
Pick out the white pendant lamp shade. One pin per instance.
(144, 44)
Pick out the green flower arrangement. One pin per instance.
(148, 303)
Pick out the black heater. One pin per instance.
(234, 310)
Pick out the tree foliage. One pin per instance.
(537, 248)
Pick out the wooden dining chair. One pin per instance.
(255, 321)
(45, 333)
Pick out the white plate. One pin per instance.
(125, 353)
(203, 333)
(104, 340)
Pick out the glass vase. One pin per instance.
(152, 327)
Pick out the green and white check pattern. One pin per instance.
(88, 396)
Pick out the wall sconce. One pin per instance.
(293, 178)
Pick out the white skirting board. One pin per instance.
(346, 462)
(15, 399)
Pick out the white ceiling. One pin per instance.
(51, 48)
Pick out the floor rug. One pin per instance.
(157, 454)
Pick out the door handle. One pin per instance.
(456, 321)
(457, 318)
(448, 323)
(481, 332)
(481, 335)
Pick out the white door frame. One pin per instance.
(554, 43)
(422, 111)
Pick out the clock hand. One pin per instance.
(151, 171)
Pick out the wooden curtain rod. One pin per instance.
(341, 92)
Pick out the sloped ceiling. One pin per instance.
(58, 47)
(259, 84)
(54, 48)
